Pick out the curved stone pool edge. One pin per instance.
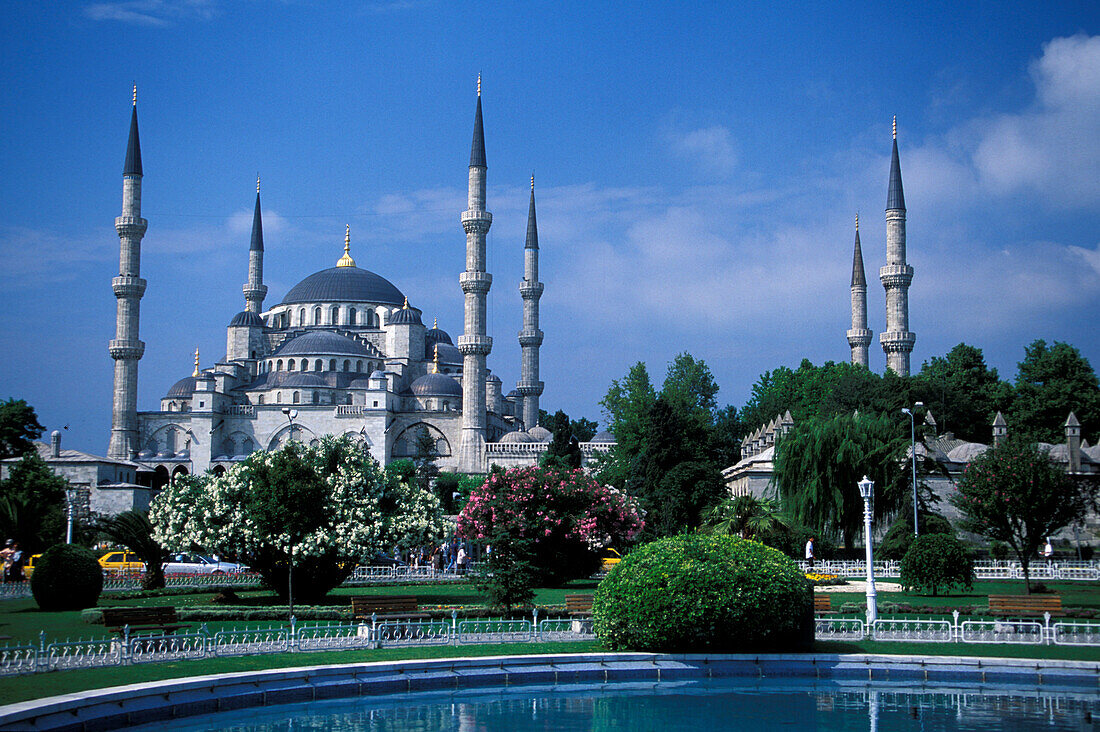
(122, 706)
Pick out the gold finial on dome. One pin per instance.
(435, 359)
(346, 260)
(406, 305)
(895, 127)
(135, 94)
(435, 323)
(196, 371)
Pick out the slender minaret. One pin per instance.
(474, 343)
(530, 338)
(125, 348)
(897, 340)
(255, 290)
(859, 337)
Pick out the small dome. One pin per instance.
(540, 434)
(404, 316)
(966, 452)
(185, 387)
(513, 394)
(344, 284)
(493, 377)
(515, 438)
(360, 384)
(378, 374)
(183, 455)
(303, 379)
(436, 385)
(146, 455)
(322, 342)
(434, 335)
(604, 438)
(246, 318)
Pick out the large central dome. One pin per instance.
(345, 284)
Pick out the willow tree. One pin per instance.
(819, 464)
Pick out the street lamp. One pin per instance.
(867, 492)
(912, 449)
(290, 415)
(71, 495)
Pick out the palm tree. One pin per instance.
(746, 516)
(133, 529)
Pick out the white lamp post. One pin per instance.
(290, 415)
(867, 492)
(71, 496)
(913, 451)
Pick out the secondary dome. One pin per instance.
(322, 342)
(247, 318)
(185, 387)
(345, 284)
(603, 438)
(436, 385)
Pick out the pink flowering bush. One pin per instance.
(561, 519)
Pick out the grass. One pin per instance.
(1074, 594)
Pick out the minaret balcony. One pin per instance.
(895, 275)
(128, 286)
(131, 225)
(530, 290)
(897, 341)
(125, 349)
(530, 388)
(476, 221)
(530, 337)
(475, 345)
(859, 337)
(254, 292)
(475, 282)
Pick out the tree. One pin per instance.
(625, 406)
(32, 504)
(327, 507)
(934, 562)
(134, 530)
(820, 462)
(19, 427)
(556, 520)
(564, 450)
(1013, 493)
(1053, 381)
(963, 394)
(746, 516)
(899, 537)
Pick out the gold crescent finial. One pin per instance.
(895, 127)
(532, 181)
(435, 323)
(479, 83)
(406, 305)
(135, 94)
(346, 260)
(435, 359)
(196, 371)
(257, 182)
(857, 220)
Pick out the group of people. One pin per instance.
(448, 556)
(14, 559)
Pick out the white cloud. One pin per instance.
(152, 12)
(709, 149)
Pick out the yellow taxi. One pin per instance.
(121, 562)
(609, 559)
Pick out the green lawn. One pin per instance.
(1074, 594)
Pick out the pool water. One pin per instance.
(690, 706)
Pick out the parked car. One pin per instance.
(200, 564)
(121, 562)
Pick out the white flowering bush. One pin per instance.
(327, 507)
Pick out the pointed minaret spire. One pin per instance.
(126, 348)
(257, 223)
(897, 340)
(254, 289)
(475, 343)
(530, 338)
(859, 337)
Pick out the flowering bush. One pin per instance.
(331, 507)
(563, 517)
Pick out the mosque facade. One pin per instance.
(343, 353)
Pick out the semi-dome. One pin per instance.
(247, 318)
(344, 284)
(404, 316)
(448, 354)
(322, 342)
(540, 434)
(185, 387)
(360, 383)
(516, 438)
(605, 438)
(436, 385)
(302, 380)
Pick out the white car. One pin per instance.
(199, 564)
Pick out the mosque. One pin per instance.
(344, 353)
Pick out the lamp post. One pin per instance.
(867, 492)
(290, 415)
(913, 451)
(71, 495)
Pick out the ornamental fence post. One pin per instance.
(454, 627)
(292, 642)
(127, 652)
(956, 633)
(535, 624)
(1048, 632)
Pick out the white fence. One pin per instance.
(983, 570)
(956, 629)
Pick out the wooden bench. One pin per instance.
(1014, 605)
(578, 604)
(142, 620)
(386, 607)
(822, 603)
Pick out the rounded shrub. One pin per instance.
(698, 592)
(67, 577)
(934, 562)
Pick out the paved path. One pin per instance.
(860, 586)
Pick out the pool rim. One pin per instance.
(122, 706)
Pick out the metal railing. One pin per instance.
(1070, 570)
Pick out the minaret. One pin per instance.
(859, 337)
(255, 290)
(530, 338)
(474, 343)
(125, 348)
(897, 340)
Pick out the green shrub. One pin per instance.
(67, 577)
(900, 536)
(998, 550)
(934, 562)
(698, 592)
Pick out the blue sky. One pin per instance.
(698, 170)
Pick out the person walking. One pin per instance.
(810, 551)
(5, 557)
(460, 559)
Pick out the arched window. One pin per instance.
(368, 318)
(351, 316)
(319, 365)
(317, 315)
(296, 398)
(335, 315)
(260, 399)
(347, 364)
(428, 405)
(359, 367)
(316, 397)
(332, 364)
(247, 446)
(290, 365)
(301, 316)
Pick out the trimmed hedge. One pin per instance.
(704, 593)
(67, 577)
(935, 562)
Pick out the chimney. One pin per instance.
(55, 444)
(1000, 429)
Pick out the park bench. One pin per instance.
(142, 620)
(386, 607)
(578, 605)
(1014, 605)
(822, 603)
